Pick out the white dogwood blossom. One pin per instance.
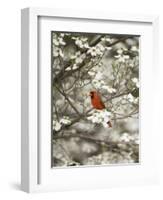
(92, 73)
(136, 81)
(126, 137)
(121, 57)
(94, 51)
(58, 40)
(99, 76)
(131, 98)
(134, 48)
(65, 120)
(106, 39)
(100, 117)
(109, 89)
(75, 66)
(57, 52)
(78, 57)
(81, 42)
(97, 50)
(99, 83)
(68, 69)
(56, 125)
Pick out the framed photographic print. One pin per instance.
(88, 117)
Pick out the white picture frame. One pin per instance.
(36, 173)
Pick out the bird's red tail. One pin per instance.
(110, 124)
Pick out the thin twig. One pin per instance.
(71, 104)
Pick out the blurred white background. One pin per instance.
(10, 97)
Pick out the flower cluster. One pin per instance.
(99, 83)
(57, 52)
(81, 42)
(100, 117)
(97, 50)
(131, 98)
(58, 40)
(136, 82)
(109, 89)
(121, 57)
(57, 125)
(78, 58)
(126, 137)
(134, 49)
(106, 39)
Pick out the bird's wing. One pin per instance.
(101, 102)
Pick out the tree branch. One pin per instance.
(109, 99)
(71, 104)
(83, 116)
(64, 74)
(109, 144)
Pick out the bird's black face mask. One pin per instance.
(92, 94)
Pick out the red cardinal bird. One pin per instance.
(97, 102)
